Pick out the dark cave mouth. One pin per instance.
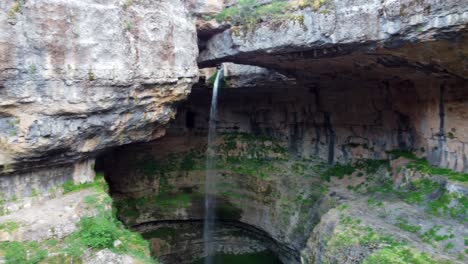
(181, 241)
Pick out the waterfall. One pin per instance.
(210, 178)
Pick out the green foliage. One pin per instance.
(432, 235)
(371, 166)
(423, 166)
(404, 225)
(9, 226)
(453, 205)
(338, 170)
(98, 184)
(418, 190)
(399, 255)
(350, 233)
(251, 155)
(372, 202)
(98, 232)
(249, 12)
(32, 68)
(15, 8)
(210, 81)
(22, 253)
(91, 76)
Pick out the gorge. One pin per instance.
(342, 130)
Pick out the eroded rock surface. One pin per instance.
(80, 76)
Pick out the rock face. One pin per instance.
(408, 55)
(327, 31)
(77, 77)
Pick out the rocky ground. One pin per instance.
(75, 227)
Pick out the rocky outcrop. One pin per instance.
(325, 31)
(77, 77)
(374, 72)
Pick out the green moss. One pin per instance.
(418, 190)
(100, 231)
(431, 235)
(399, 255)
(338, 170)
(9, 226)
(22, 252)
(250, 12)
(453, 205)
(371, 166)
(423, 166)
(15, 9)
(351, 233)
(404, 225)
(373, 202)
(98, 184)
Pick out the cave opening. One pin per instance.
(343, 131)
(278, 134)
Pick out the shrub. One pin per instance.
(98, 232)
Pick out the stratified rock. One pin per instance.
(81, 76)
(341, 27)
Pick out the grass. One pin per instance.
(423, 166)
(94, 233)
(404, 225)
(98, 183)
(101, 231)
(22, 252)
(350, 234)
(399, 255)
(431, 235)
(368, 166)
(9, 226)
(418, 191)
(339, 171)
(251, 12)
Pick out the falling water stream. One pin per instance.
(210, 180)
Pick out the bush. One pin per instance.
(98, 232)
(251, 12)
(22, 253)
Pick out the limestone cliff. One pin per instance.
(81, 76)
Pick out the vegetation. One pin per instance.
(399, 255)
(432, 235)
(15, 8)
(22, 252)
(9, 226)
(98, 184)
(351, 233)
(101, 231)
(423, 166)
(404, 225)
(94, 232)
(250, 12)
(364, 165)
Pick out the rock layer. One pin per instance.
(81, 76)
